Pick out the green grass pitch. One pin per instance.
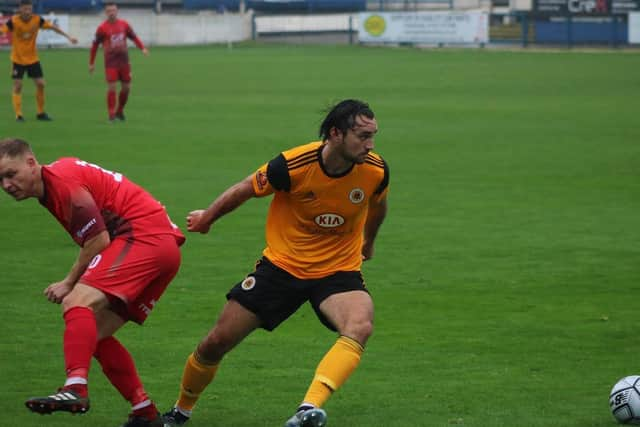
(506, 276)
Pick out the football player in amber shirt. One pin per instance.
(113, 34)
(24, 28)
(129, 252)
(329, 200)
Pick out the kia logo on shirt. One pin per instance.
(329, 220)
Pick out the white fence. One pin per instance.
(162, 29)
(305, 23)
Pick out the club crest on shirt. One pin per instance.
(356, 195)
(261, 179)
(248, 283)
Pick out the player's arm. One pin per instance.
(48, 25)
(92, 247)
(99, 37)
(230, 199)
(375, 218)
(136, 40)
(377, 211)
(85, 224)
(6, 27)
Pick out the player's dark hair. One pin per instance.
(25, 3)
(342, 116)
(14, 147)
(110, 3)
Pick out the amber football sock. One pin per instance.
(334, 369)
(16, 99)
(40, 99)
(195, 378)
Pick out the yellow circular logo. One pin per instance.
(375, 25)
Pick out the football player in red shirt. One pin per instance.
(129, 252)
(113, 34)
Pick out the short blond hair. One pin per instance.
(14, 147)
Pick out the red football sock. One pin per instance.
(122, 100)
(80, 335)
(149, 412)
(118, 366)
(81, 389)
(111, 102)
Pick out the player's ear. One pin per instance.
(335, 133)
(31, 161)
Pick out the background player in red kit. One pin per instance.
(129, 254)
(113, 34)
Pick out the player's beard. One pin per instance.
(360, 158)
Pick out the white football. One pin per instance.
(624, 400)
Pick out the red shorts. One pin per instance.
(134, 274)
(122, 73)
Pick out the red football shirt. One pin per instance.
(113, 36)
(87, 199)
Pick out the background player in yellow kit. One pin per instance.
(329, 202)
(24, 27)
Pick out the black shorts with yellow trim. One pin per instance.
(34, 71)
(274, 295)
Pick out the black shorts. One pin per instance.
(274, 295)
(34, 71)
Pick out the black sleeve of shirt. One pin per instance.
(278, 174)
(41, 23)
(10, 24)
(385, 179)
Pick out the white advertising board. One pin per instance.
(50, 37)
(424, 27)
(634, 27)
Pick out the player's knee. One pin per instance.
(17, 87)
(359, 330)
(96, 301)
(215, 345)
(68, 303)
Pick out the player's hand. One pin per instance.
(73, 40)
(196, 222)
(367, 251)
(56, 292)
(145, 51)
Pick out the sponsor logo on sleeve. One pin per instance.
(261, 179)
(86, 228)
